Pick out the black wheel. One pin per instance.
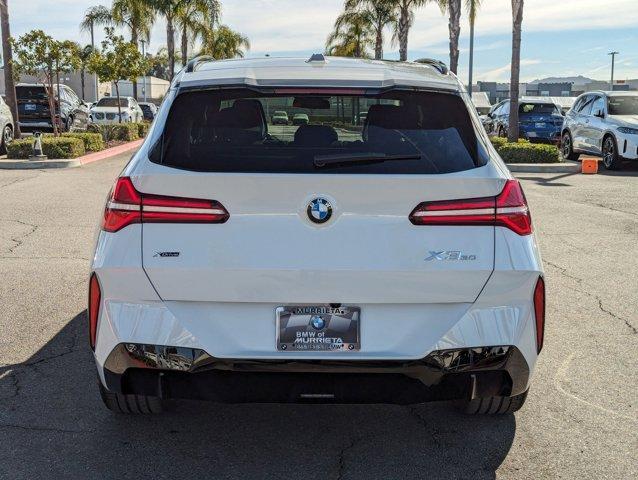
(567, 147)
(130, 404)
(611, 159)
(7, 138)
(68, 126)
(494, 405)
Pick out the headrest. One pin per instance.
(393, 117)
(315, 136)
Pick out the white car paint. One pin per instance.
(104, 115)
(221, 293)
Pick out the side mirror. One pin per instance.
(599, 113)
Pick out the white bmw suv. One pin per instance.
(390, 262)
(604, 124)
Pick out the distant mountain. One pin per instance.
(578, 80)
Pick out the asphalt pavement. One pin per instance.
(580, 420)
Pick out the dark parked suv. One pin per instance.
(34, 113)
(538, 120)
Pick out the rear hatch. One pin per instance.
(33, 104)
(273, 248)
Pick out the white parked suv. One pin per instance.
(106, 111)
(388, 262)
(603, 124)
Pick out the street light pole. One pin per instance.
(613, 58)
(95, 85)
(143, 42)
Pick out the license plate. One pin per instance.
(540, 124)
(30, 106)
(321, 328)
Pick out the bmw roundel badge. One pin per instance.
(317, 322)
(319, 210)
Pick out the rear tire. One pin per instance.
(567, 147)
(494, 405)
(611, 159)
(130, 404)
(7, 137)
(68, 127)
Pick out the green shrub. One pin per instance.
(142, 129)
(52, 147)
(93, 142)
(529, 153)
(116, 131)
(126, 132)
(499, 142)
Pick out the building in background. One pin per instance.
(549, 89)
(499, 91)
(481, 102)
(154, 87)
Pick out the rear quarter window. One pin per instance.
(398, 132)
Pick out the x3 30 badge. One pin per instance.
(449, 255)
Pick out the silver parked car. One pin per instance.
(603, 124)
(6, 121)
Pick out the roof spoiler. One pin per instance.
(192, 64)
(438, 64)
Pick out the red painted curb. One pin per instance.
(110, 152)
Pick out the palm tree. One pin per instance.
(223, 42)
(472, 7)
(380, 14)
(352, 34)
(95, 16)
(192, 18)
(7, 56)
(168, 9)
(405, 11)
(84, 55)
(138, 17)
(517, 20)
(453, 7)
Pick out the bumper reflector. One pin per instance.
(539, 311)
(94, 308)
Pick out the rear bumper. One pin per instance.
(27, 126)
(175, 372)
(544, 135)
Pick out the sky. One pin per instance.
(560, 37)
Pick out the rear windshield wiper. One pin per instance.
(365, 158)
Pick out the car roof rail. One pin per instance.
(193, 63)
(438, 64)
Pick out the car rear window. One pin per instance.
(397, 132)
(539, 108)
(112, 102)
(31, 93)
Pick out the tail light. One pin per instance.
(508, 209)
(127, 206)
(95, 295)
(539, 312)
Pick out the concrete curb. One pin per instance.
(563, 167)
(72, 162)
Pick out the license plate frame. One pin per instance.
(30, 107)
(318, 328)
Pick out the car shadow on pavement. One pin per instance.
(627, 169)
(50, 404)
